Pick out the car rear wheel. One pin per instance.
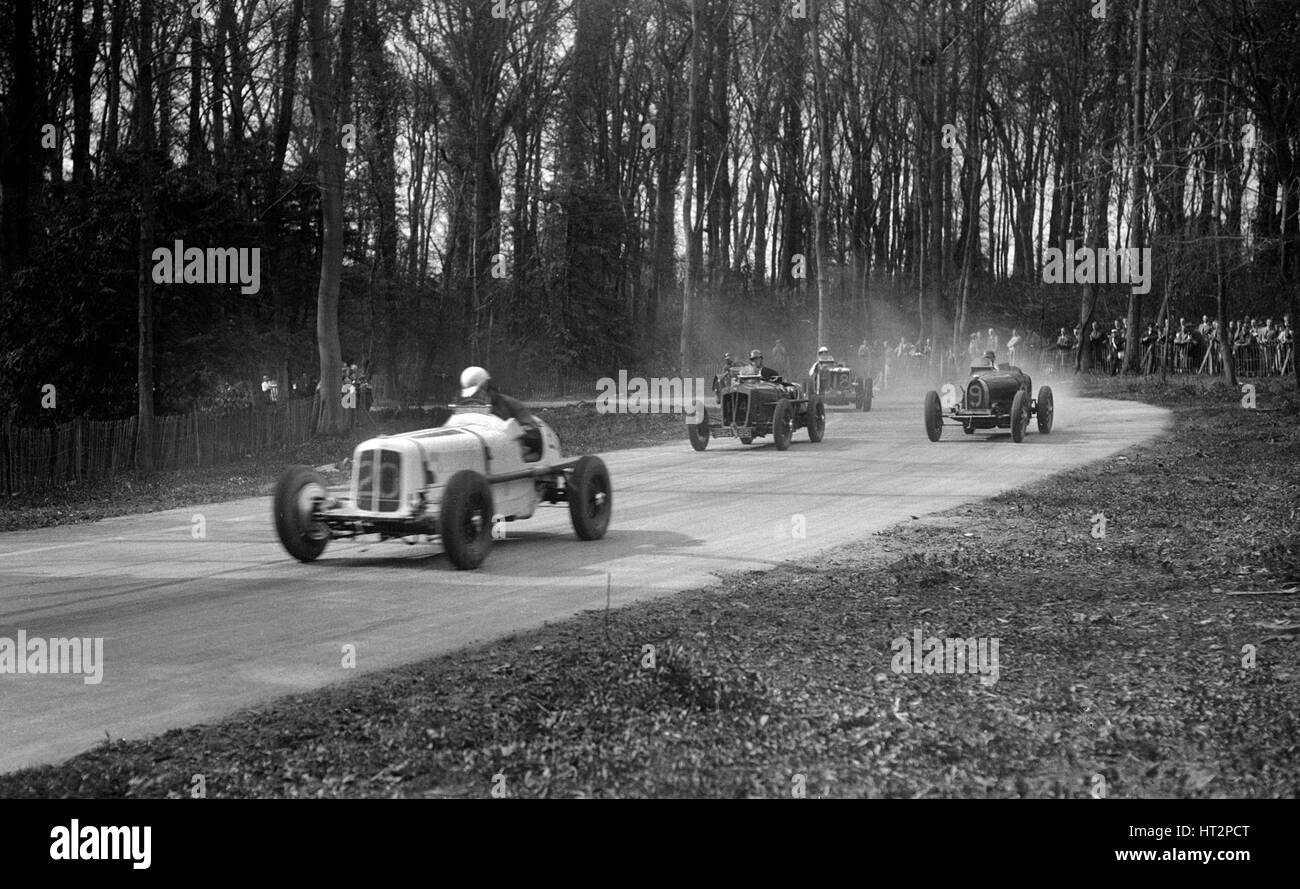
(816, 419)
(699, 432)
(933, 415)
(783, 424)
(590, 498)
(1019, 415)
(1046, 410)
(466, 519)
(298, 492)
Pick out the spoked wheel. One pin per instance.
(783, 424)
(816, 419)
(1019, 415)
(699, 432)
(466, 519)
(591, 499)
(933, 415)
(298, 493)
(1046, 410)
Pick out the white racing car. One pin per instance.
(457, 481)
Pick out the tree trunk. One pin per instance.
(1137, 156)
(144, 108)
(330, 162)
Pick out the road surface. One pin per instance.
(194, 629)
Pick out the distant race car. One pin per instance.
(750, 407)
(993, 398)
(838, 384)
(457, 481)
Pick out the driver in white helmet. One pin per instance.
(823, 357)
(476, 386)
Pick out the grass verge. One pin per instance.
(1126, 667)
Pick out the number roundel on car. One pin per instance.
(975, 395)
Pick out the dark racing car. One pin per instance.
(995, 397)
(750, 407)
(838, 384)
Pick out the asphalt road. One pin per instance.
(194, 629)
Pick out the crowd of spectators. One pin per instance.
(1260, 346)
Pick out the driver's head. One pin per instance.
(991, 358)
(823, 353)
(474, 383)
(756, 359)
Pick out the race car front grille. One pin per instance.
(385, 495)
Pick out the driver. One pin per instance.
(765, 373)
(823, 357)
(991, 358)
(476, 386)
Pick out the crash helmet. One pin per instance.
(755, 355)
(991, 357)
(823, 351)
(472, 381)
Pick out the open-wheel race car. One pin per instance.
(750, 407)
(995, 397)
(838, 384)
(456, 481)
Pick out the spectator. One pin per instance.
(991, 343)
(779, 357)
(1011, 346)
(270, 390)
(864, 358)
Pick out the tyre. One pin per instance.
(816, 420)
(866, 395)
(465, 519)
(298, 492)
(933, 415)
(1019, 415)
(782, 424)
(590, 498)
(1046, 410)
(699, 432)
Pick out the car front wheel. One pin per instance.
(783, 424)
(699, 432)
(590, 498)
(1019, 415)
(1046, 410)
(933, 416)
(816, 420)
(298, 492)
(466, 519)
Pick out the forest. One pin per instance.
(572, 187)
